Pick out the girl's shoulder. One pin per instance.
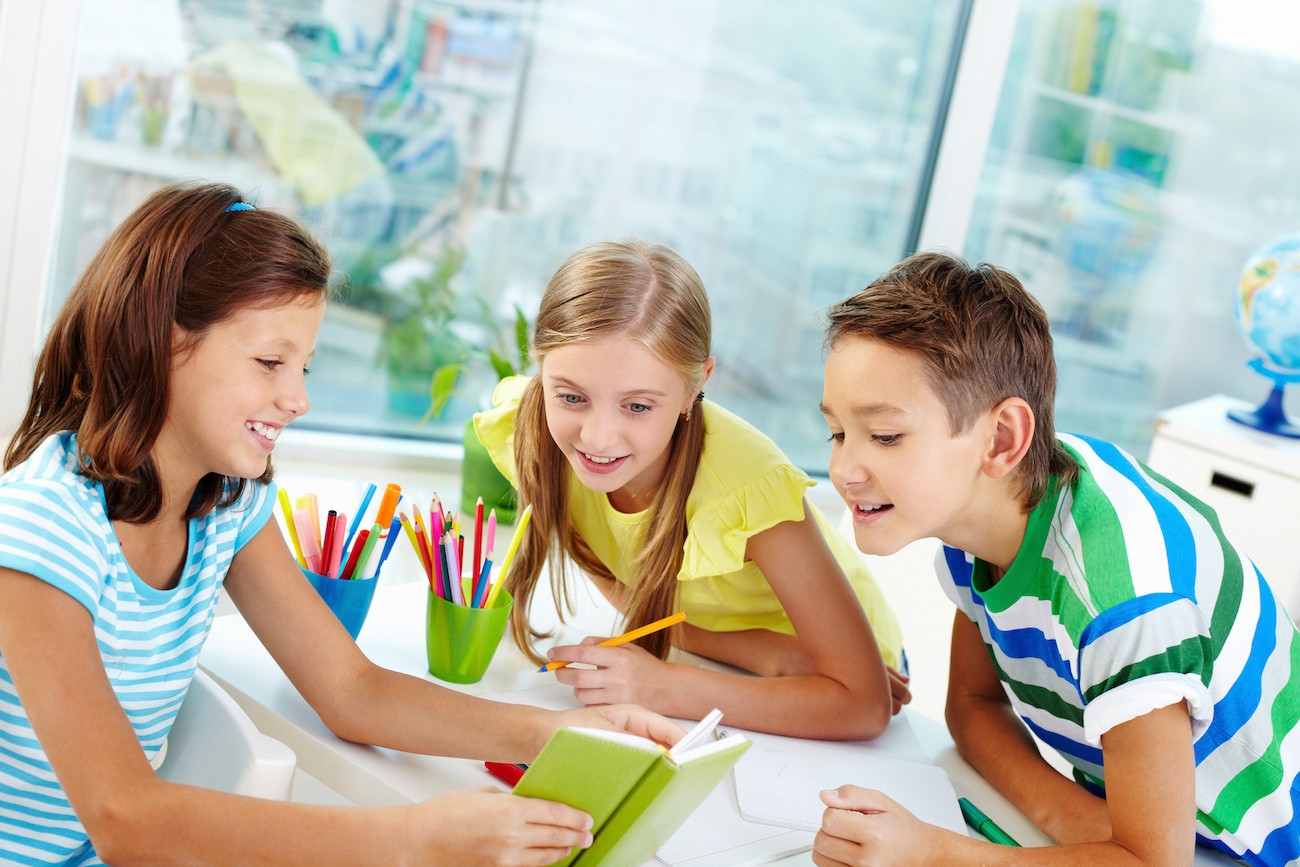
(51, 476)
(737, 454)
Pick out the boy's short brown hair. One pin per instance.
(983, 338)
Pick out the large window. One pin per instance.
(1142, 150)
(453, 154)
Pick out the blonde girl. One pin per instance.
(667, 501)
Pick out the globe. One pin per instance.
(1268, 311)
(1106, 228)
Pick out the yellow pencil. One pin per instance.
(640, 631)
(510, 555)
(293, 530)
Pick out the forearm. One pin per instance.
(996, 744)
(810, 706)
(389, 709)
(164, 823)
(767, 653)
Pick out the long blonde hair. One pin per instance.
(637, 291)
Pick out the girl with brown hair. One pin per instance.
(137, 486)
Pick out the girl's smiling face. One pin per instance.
(235, 389)
(612, 407)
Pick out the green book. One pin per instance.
(637, 792)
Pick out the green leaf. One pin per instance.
(500, 364)
(522, 342)
(442, 386)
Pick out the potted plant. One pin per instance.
(504, 355)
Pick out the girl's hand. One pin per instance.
(487, 826)
(622, 674)
(626, 718)
(862, 826)
(899, 693)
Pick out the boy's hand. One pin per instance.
(863, 826)
(625, 673)
(486, 826)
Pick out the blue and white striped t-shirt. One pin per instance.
(1126, 596)
(54, 525)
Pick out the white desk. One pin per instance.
(393, 636)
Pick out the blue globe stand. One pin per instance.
(1270, 417)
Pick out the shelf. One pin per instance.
(1155, 119)
(170, 165)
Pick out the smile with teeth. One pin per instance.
(264, 430)
(869, 509)
(596, 459)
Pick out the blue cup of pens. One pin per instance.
(349, 599)
(342, 559)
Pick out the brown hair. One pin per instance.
(180, 259)
(982, 337)
(638, 291)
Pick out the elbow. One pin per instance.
(116, 830)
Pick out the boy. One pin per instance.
(1097, 602)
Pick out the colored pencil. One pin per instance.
(291, 526)
(510, 555)
(632, 635)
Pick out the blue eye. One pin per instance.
(637, 408)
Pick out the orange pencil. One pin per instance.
(633, 635)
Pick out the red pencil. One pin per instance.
(357, 544)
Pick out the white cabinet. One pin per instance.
(1252, 479)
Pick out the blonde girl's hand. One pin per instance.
(899, 691)
(487, 826)
(622, 674)
(863, 826)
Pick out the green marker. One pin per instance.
(976, 819)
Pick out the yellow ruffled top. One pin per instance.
(744, 485)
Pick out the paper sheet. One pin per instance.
(779, 780)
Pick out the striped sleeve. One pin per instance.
(47, 537)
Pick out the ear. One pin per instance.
(1013, 431)
(706, 372)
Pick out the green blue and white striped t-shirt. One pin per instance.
(1126, 597)
(54, 525)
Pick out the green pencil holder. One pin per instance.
(461, 640)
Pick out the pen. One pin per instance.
(506, 772)
(361, 510)
(662, 623)
(976, 819)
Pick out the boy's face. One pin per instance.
(894, 460)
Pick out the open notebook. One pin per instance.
(715, 835)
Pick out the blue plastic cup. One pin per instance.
(349, 599)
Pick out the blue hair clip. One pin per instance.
(239, 206)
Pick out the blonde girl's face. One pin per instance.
(236, 389)
(611, 407)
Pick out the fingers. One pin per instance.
(589, 654)
(639, 721)
(899, 693)
(856, 798)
